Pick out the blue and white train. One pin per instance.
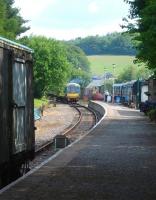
(132, 92)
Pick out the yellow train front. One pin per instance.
(73, 92)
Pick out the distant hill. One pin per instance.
(111, 44)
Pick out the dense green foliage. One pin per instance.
(133, 73)
(11, 23)
(77, 58)
(51, 68)
(113, 44)
(40, 102)
(55, 63)
(152, 114)
(79, 64)
(145, 13)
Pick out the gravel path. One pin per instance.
(54, 121)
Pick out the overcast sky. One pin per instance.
(68, 19)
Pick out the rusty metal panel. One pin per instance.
(19, 107)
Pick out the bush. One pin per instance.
(152, 114)
(39, 102)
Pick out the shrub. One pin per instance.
(152, 114)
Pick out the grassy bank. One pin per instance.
(101, 63)
(38, 102)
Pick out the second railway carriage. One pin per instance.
(117, 92)
(17, 140)
(128, 92)
(132, 92)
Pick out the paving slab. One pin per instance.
(116, 161)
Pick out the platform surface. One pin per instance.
(116, 161)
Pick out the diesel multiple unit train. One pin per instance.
(73, 92)
(17, 139)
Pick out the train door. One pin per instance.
(19, 105)
(144, 90)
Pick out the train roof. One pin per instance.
(5, 43)
(124, 84)
(117, 84)
(129, 82)
(143, 82)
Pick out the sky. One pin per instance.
(69, 19)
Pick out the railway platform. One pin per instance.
(115, 161)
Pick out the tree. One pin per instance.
(77, 57)
(80, 66)
(11, 23)
(81, 77)
(133, 73)
(144, 13)
(51, 67)
(127, 75)
(114, 43)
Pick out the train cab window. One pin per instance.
(73, 89)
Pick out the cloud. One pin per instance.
(31, 9)
(93, 7)
(68, 19)
(62, 34)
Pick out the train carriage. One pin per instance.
(17, 139)
(132, 92)
(73, 92)
(117, 87)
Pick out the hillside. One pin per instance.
(104, 63)
(110, 44)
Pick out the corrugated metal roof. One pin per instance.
(4, 41)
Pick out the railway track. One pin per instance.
(88, 120)
(84, 121)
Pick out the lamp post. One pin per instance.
(114, 65)
(105, 78)
(104, 84)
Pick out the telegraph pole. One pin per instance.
(114, 65)
(105, 78)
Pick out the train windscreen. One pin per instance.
(73, 89)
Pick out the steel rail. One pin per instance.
(91, 110)
(75, 105)
(49, 143)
